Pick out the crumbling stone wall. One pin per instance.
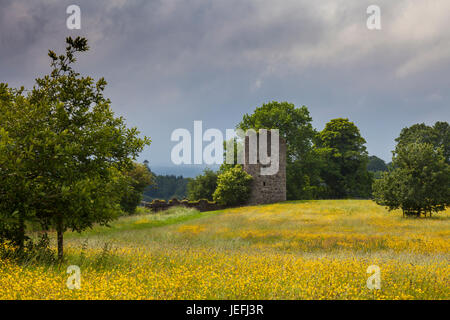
(266, 188)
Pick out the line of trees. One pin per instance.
(331, 163)
(334, 163)
(165, 187)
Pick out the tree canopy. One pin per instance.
(294, 125)
(165, 187)
(418, 183)
(376, 164)
(438, 136)
(343, 150)
(71, 150)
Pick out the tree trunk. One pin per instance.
(60, 237)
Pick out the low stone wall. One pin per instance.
(201, 205)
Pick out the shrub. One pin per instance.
(233, 187)
(203, 186)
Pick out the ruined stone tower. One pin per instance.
(266, 188)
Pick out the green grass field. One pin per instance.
(292, 250)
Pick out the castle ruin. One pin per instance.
(265, 189)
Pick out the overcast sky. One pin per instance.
(171, 62)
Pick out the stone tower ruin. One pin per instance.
(266, 188)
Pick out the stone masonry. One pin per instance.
(266, 188)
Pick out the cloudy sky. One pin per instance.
(170, 62)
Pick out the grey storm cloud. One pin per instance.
(171, 62)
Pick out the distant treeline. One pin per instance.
(334, 163)
(166, 187)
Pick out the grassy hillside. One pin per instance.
(293, 250)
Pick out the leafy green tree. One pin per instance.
(233, 187)
(341, 147)
(73, 157)
(203, 186)
(294, 125)
(418, 183)
(376, 164)
(437, 135)
(139, 178)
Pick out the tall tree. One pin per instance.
(294, 125)
(418, 183)
(77, 148)
(341, 147)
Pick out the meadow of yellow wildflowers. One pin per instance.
(292, 250)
